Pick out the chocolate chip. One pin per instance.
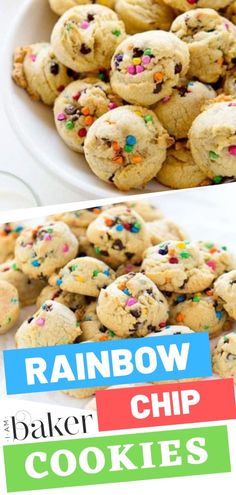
(233, 60)
(118, 245)
(77, 340)
(90, 17)
(149, 291)
(84, 49)
(182, 90)
(104, 253)
(71, 73)
(178, 68)
(231, 357)
(54, 68)
(152, 328)
(136, 313)
(70, 110)
(30, 319)
(158, 88)
(129, 255)
(226, 180)
(137, 52)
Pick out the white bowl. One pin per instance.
(33, 122)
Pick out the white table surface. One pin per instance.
(14, 157)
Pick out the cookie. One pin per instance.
(144, 15)
(146, 210)
(200, 312)
(75, 302)
(92, 329)
(37, 70)
(52, 324)
(224, 356)
(229, 86)
(177, 111)
(213, 142)
(86, 276)
(8, 235)
(179, 170)
(119, 235)
(211, 42)
(147, 66)
(163, 230)
(225, 291)
(40, 251)
(28, 289)
(61, 6)
(177, 266)
(78, 106)
(78, 220)
(217, 257)
(9, 306)
(85, 37)
(126, 147)
(132, 304)
(184, 5)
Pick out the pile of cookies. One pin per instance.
(116, 272)
(145, 89)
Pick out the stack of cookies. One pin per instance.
(144, 89)
(116, 272)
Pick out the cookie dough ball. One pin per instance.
(126, 147)
(179, 171)
(147, 211)
(229, 87)
(85, 276)
(8, 235)
(82, 393)
(85, 37)
(163, 230)
(212, 139)
(184, 5)
(119, 235)
(211, 41)
(177, 266)
(132, 304)
(42, 250)
(37, 70)
(9, 306)
(217, 257)
(52, 324)
(224, 356)
(61, 6)
(177, 111)
(147, 66)
(28, 289)
(144, 15)
(78, 106)
(92, 328)
(199, 311)
(225, 291)
(75, 302)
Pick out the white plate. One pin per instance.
(33, 122)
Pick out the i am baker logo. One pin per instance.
(22, 426)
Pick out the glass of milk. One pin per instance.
(15, 193)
